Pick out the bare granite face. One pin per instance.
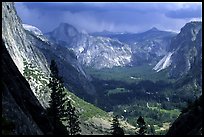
(20, 48)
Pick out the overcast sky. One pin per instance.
(116, 17)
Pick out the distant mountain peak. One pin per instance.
(154, 29)
(105, 30)
(65, 25)
(64, 32)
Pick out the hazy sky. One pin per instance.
(111, 16)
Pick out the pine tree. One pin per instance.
(117, 130)
(142, 125)
(56, 110)
(72, 120)
(152, 130)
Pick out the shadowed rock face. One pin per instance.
(190, 121)
(19, 104)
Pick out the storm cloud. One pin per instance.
(190, 12)
(115, 17)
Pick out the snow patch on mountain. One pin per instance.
(81, 49)
(164, 62)
(32, 29)
(36, 32)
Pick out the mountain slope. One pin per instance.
(147, 47)
(99, 52)
(185, 49)
(75, 78)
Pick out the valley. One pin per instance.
(148, 82)
(130, 74)
(133, 91)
